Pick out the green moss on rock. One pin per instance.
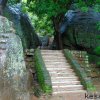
(86, 82)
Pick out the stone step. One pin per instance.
(67, 88)
(58, 66)
(67, 65)
(70, 92)
(50, 57)
(63, 71)
(57, 62)
(54, 60)
(57, 51)
(64, 83)
(62, 74)
(58, 69)
(64, 79)
(53, 56)
(52, 53)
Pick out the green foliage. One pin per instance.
(83, 5)
(97, 50)
(45, 10)
(84, 9)
(42, 73)
(24, 1)
(42, 25)
(97, 7)
(98, 26)
(49, 7)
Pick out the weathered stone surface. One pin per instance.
(44, 41)
(31, 37)
(23, 26)
(13, 73)
(79, 30)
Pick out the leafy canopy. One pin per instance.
(44, 10)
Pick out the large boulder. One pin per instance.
(23, 26)
(13, 73)
(79, 30)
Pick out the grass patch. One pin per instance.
(42, 73)
(86, 82)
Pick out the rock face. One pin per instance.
(13, 73)
(79, 30)
(23, 26)
(44, 41)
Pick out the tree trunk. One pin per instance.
(57, 35)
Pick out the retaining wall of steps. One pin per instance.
(86, 81)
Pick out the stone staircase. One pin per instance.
(63, 77)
